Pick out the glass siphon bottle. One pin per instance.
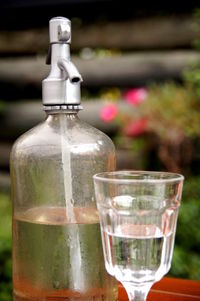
(57, 250)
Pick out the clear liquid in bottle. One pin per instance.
(67, 270)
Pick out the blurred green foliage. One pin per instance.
(172, 110)
(173, 113)
(192, 76)
(186, 259)
(163, 128)
(5, 248)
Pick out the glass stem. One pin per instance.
(137, 292)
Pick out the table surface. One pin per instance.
(170, 289)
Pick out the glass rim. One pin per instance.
(151, 176)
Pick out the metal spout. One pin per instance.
(70, 70)
(62, 86)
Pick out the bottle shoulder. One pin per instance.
(88, 133)
(48, 137)
(29, 138)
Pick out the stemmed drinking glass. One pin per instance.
(138, 213)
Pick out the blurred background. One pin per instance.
(141, 68)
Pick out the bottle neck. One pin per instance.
(57, 113)
(61, 111)
(60, 118)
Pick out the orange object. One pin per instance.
(170, 289)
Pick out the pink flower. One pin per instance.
(109, 112)
(135, 128)
(135, 96)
